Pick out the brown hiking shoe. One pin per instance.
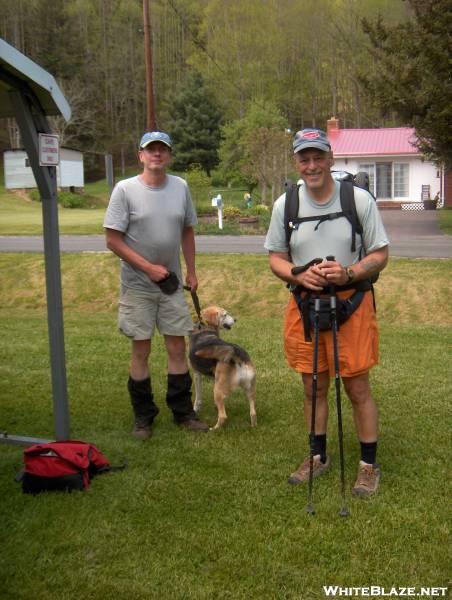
(367, 481)
(141, 430)
(194, 425)
(302, 473)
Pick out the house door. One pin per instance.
(370, 170)
(384, 180)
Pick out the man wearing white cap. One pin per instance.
(149, 219)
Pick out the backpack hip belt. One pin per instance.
(345, 307)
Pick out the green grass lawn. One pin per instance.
(21, 216)
(445, 220)
(211, 516)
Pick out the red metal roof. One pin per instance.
(373, 142)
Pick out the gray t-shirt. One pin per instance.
(152, 220)
(331, 237)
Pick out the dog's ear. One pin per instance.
(211, 315)
(219, 352)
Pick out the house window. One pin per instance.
(388, 180)
(384, 180)
(370, 170)
(401, 171)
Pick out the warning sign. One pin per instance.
(49, 150)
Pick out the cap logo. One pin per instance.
(310, 135)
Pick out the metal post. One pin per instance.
(46, 181)
(109, 171)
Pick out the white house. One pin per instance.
(18, 173)
(398, 173)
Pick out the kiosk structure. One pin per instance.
(30, 94)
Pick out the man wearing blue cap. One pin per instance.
(324, 231)
(150, 217)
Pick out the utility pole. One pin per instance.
(150, 114)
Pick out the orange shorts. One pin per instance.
(357, 341)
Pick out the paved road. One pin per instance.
(413, 234)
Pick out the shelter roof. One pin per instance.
(16, 69)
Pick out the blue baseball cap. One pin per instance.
(155, 136)
(311, 138)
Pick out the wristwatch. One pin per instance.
(350, 274)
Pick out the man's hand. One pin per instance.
(116, 243)
(156, 272)
(313, 278)
(333, 272)
(370, 265)
(192, 281)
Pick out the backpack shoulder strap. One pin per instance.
(347, 197)
(291, 207)
(348, 206)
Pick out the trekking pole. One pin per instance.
(310, 507)
(296, 271)
(344, 512)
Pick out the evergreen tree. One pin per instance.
(412, 75)
(195, 126)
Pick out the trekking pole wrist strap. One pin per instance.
(302, 268)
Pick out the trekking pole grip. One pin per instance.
(332, 290)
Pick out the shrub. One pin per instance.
(205, 209)
(232, 212)
(260, 209)
(68, 199)
(197, 179)
(218, 179)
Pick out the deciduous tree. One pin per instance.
(255, 149)
(412, 73)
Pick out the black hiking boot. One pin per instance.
(178, 398)
(143, 406)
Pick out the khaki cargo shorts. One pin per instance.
(140, 311)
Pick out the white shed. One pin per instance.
(18, 173)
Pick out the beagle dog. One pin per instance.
(229, 364)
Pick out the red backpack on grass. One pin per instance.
(68, 465)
